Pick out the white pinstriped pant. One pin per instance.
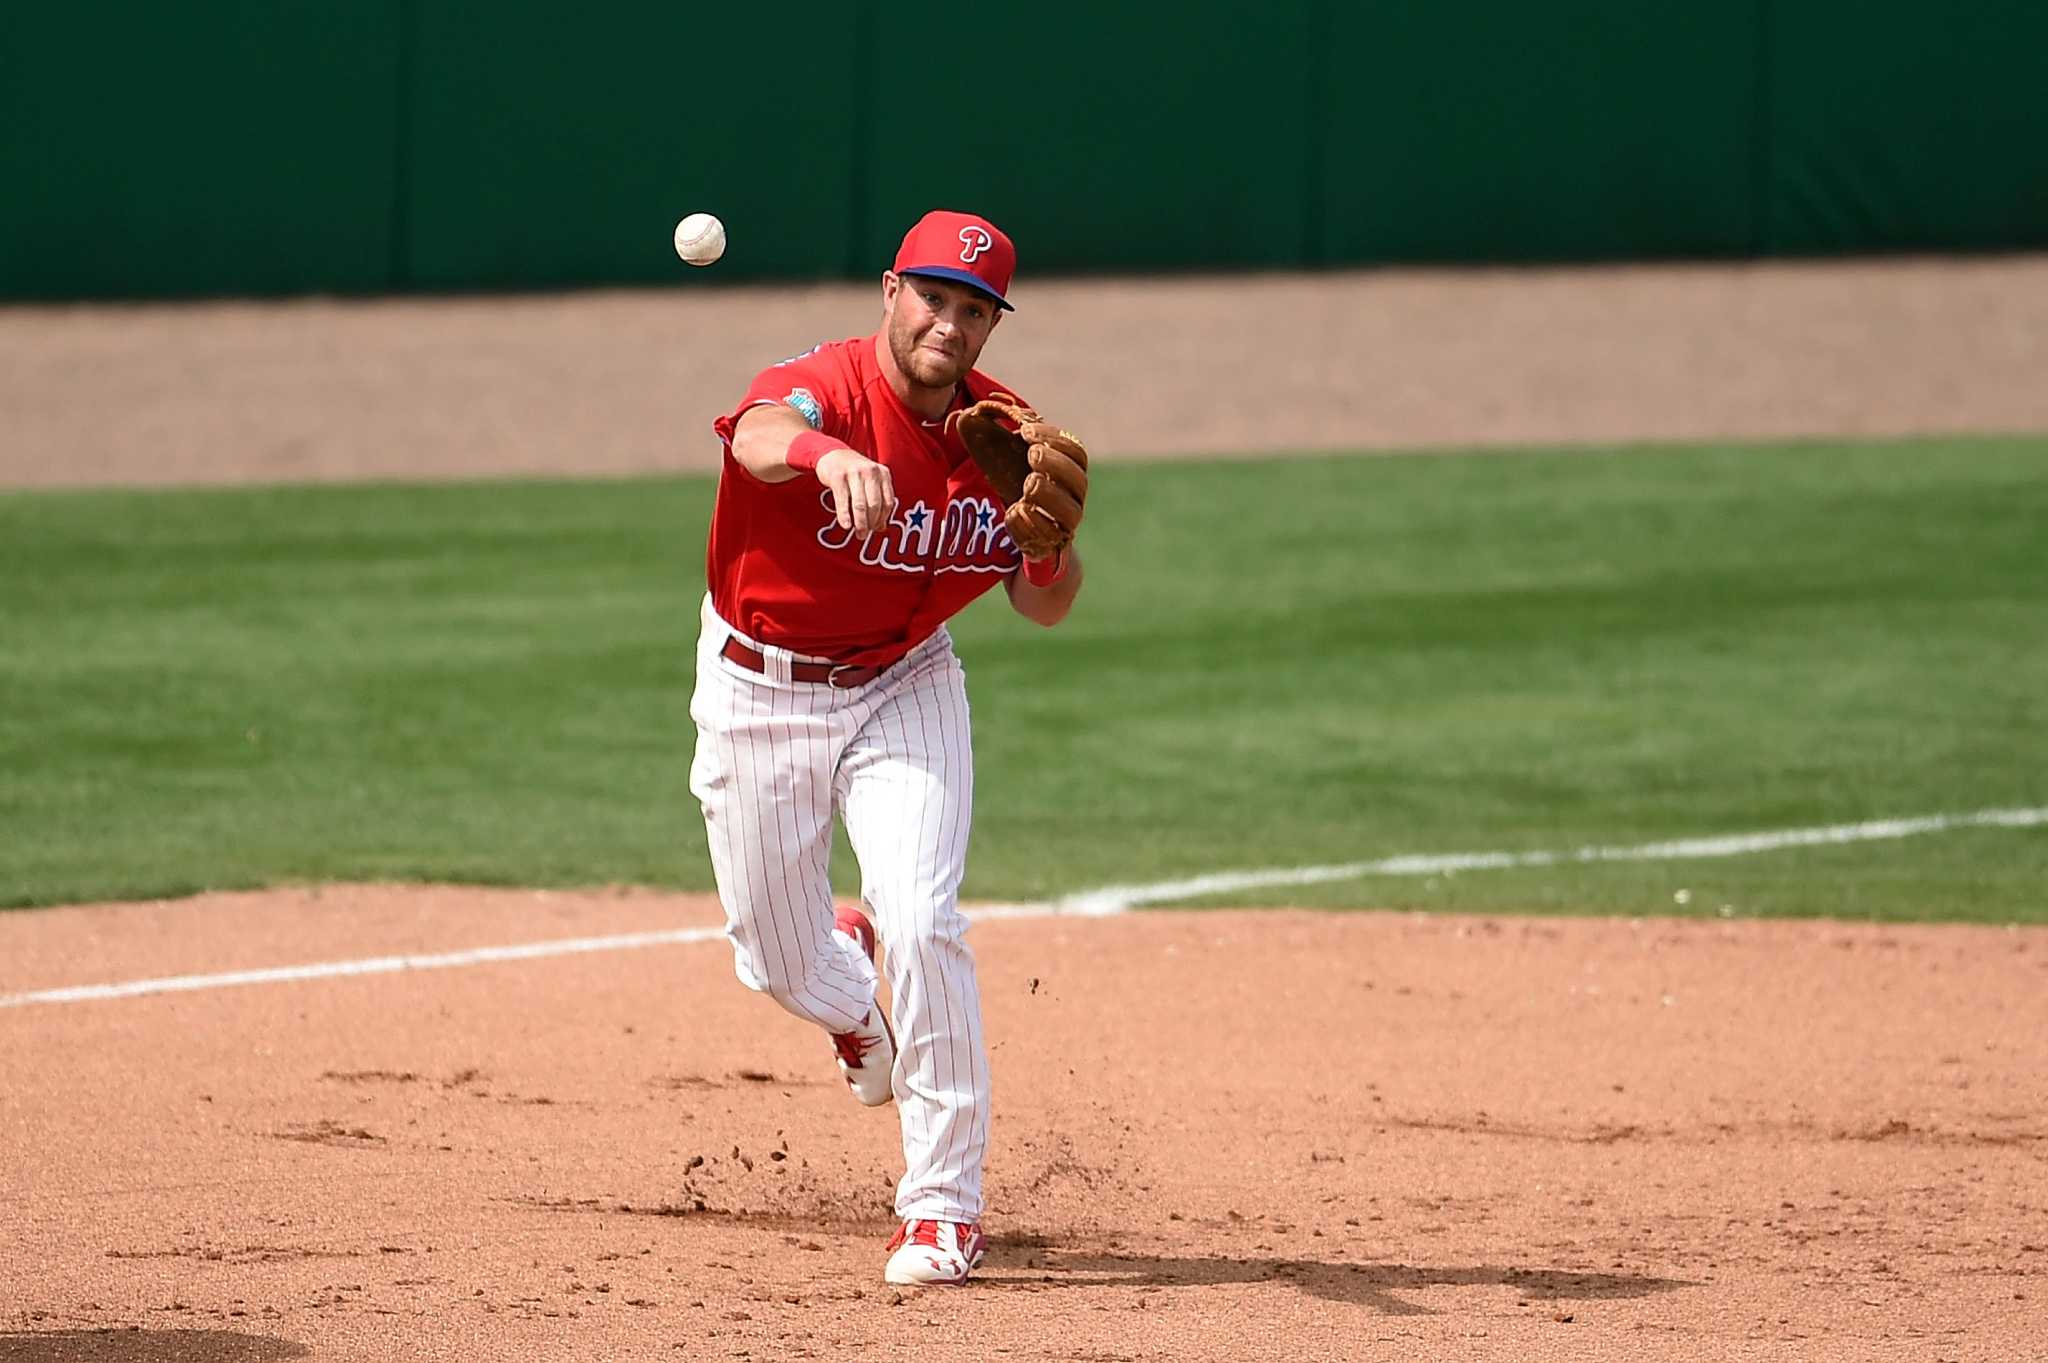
(775, 758)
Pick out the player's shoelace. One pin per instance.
(926, 1233)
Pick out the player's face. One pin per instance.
(936, 327)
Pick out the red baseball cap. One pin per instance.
(960, 247)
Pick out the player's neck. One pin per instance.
(930, 403)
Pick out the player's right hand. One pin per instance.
(863, 495)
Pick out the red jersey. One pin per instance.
(780, 568)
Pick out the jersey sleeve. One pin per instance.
(814, 385)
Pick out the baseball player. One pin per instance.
(853, 519)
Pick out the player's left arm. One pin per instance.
(1047, 605)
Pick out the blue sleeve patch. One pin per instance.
(806, 405)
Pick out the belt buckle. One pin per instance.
(832, 677)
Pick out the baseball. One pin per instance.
(700, 238)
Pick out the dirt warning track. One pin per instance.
(625, 382)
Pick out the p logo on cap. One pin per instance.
(961, 247)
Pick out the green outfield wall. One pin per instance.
(222, 146)
(292, 146)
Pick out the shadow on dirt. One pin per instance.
(824, 1216)
(143, 1346)
(1032, 1267)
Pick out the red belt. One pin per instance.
(842, 675)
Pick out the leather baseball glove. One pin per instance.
(1040, 470)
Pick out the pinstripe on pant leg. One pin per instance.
(906, 785)
(762, 772)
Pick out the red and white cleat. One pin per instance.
(934, 1253)
(867, 1054)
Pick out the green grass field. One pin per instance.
(1276, 663)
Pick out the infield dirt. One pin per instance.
(1219, 1135)
(1230, 1135)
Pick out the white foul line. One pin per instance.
(1104, 902)
(375, 965)
(1117, 898)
